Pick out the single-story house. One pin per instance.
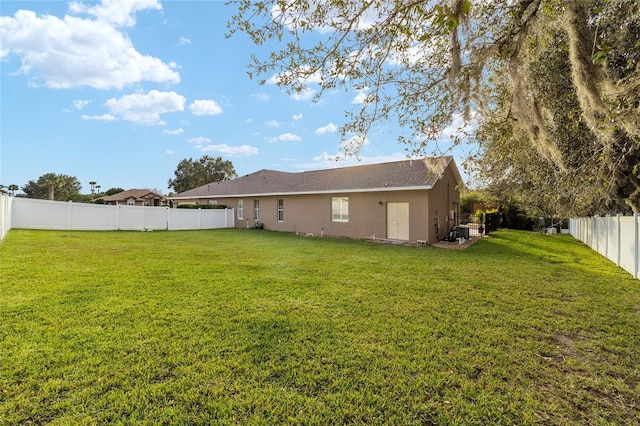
(136, 197)
(412, 200)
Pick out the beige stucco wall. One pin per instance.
(312, 213)
(367, 212)
(445, 196)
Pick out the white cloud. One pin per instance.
(115, 12)
(329, 128)
(354, 143)
(103, 117)
(298, 117)
(173, 132)
(184, 40)
(246, 150)
(315, 78)
(293, 14)
(361, 97)
(304, 95)
(248, 120)
(75, 52)
(286, 137)
(272, 123)
(327, 160)
(262, 97)
(199, 140)
(169, 152)
(205, 107)
(146, 108)
(307, 92)
(80, 104)
(418, 53)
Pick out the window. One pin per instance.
(280, 210)
(256, 209)
(340, 209)
(240, 209)
(213, 202)
(131, 202)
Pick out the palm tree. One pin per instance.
(13, 188)
(93, 184)
(52, 180)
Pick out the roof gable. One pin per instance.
(398, 175)
(137, 194)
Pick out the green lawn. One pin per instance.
(257, 327)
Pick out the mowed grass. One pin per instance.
(257, 327)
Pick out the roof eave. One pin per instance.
(331, 191)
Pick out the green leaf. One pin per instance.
(599, 57)
(466, 7)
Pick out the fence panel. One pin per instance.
(616, 238)
(601, 235)
(216, 218)
(6, 203)
(184, 219)
(86, 217)
(156, 218)
(628, 243)
(40, 214)
(28, 213)
(130, 218)
(613, 236)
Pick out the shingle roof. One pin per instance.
(137, 194)
(408, 174)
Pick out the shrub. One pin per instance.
(202, 206)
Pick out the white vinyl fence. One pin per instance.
(29, 213)
(617, 238)
(6, 202)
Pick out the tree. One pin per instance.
(53, 186)
(112, 191)
(192, 173)
(428, 64)
(585, 160)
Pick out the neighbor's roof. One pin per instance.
(138, 194)
(398, 175)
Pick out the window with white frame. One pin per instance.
(280, 210)
(340, 209)
(213, 202)
(256, 209)
(240, 209)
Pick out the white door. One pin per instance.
(398, 221)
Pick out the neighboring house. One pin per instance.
(136, 197)
(411, 200)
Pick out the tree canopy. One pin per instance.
(52, 186)
(548, 89)
(192, 173)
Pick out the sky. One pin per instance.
(120, 91)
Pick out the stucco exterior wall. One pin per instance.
(311, 213)
(445, 197)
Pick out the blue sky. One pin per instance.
(118, 92)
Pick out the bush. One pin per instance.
(202, 206)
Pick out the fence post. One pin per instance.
(636, 262)
(199, 218)
(167, 209)
(69, 214)
(618, 238)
